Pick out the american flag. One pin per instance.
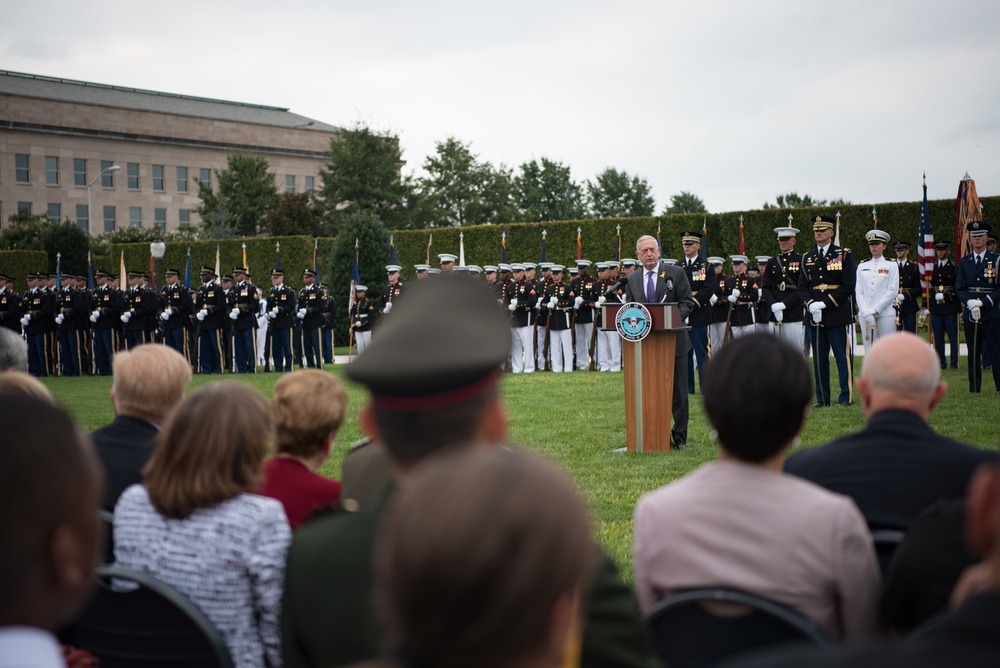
(925, 243)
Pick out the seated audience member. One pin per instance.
(50, 491)
(364, 471)
(897, 466)
(739, 522)
(148, 384)
(308, 408)
(432, 389)
(454, 597)
(15, 382)
(13, 351)
(196, 526)
(968, 637)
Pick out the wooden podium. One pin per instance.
(649, 377)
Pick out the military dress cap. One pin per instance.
(823, 223)
(132, 273)
(360, 288)
(5, 277)
(762, 259)
(786, 232)
(207, 270)
(433, 271)
(504, 267)
(669, 260)
(557, 268)
(583, 263)
(629, 262)
(447, 257)
(239, 270)
(419, 268)
(875, 236)
(517, 267)
(529, 265)
(738, 259)
(412, 367)
(573, 271)
(308, 273)
(978, 228)
(324, 286)
(173, 272)
(942, 245)
(490, 269)
(602, 266)
(101, 274)
(611, 263)
(545, 265)
(901, 245)
(461, 268)
(226, 278)
(690, 238)
(393, 268)
(277, 272)
(475, 269)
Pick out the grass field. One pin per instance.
(577, 420)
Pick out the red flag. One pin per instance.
(579, 245)
(742, 247)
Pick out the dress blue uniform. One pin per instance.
(944, 306)
(978, 287)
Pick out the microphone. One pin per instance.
(614, 288)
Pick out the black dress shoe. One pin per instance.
(820, 404)
(678, 446)
(843, 404)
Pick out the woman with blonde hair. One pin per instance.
(195, 525)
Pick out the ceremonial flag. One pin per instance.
(925, 245)
(430, 242)
(544, 234)
(90, 273)
(836, 235)
(123, 281)
(392, 251)
(503, 247)
(579, 244)
(703, 255)
(743, 250)
(58, 271)
(152, 273)
(187, 271)
(356, 276)
(967, 209)
(874, 219)
(461, 249)
(618, 231)
(658, 242)
(218, 264)
(245, 265)
(277, 255)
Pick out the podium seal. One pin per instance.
(633, 322)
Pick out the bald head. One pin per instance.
(901, 371)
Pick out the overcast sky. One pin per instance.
(734, 100)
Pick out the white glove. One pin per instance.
(200, 314)
(60, 318)
(500, 302)
(169, 311)
(736, 292)
(939, 297)
(301, 314)
(733, 297)
(601, 300)
(760, 293)
(925, 313)
(512, 307)
(357, 323)
(388, 307)
(779, 316)
(974, 303)
(165, 315)
(976, 314)
(126, 316)
(234, 315)
(274, 312)
(817, 316)
(271, 315)
(777, 308)
(715, 298)
(900, 298)
(553, 303)
(538, 304)
(94, 316)
(577, 302)
(26, 318)
(816, 306)
(24, 321)
(870, 321)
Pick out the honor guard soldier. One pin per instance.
(475, 272)
(826, 286)
(83, 327)
(362, 313)
(421, 270)
(702, 279)
(779, 282)
(106, 306)
(719, 304)
(392, 290)
(211, 309)
(51, 335)
(447, 262)
(608, 356)
(226, 324)
(763, 312)
(944, 306)
(10, 305)
(978, 288)
(329, 322)
(71, 310)
(542, 320)
(492, 282)
(280, 311)
(521, 304)
(909, 288)
(176, 307)
(586, 294)
(140, 305)
(37, 308)
(875, 291)
(311, 307)
(742, 297)
(560, 300)
(244, 307)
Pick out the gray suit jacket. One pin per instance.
(672, 285)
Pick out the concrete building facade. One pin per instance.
(60, 141)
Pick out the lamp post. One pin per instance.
(107, 170)
(156, 249)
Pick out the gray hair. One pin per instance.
(642, 238)
(13, 351)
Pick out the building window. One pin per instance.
(289, 183)
(310, 183)
(79, 172)
(54, 211)
(158, 179)
(22, 171)
(160, 219)
(51, 170)
(109, 218)
(83, 217)
(182, 179)
(133, 176)
(135, 216)
(184, 217)
(205, 177)
(24, 208)
(107, 178)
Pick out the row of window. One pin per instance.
(54, 212)
(22, 174)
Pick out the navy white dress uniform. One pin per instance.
(779, 283)
(826, 287)
(702, 278)
(560, 298)
(944, 306)
(244, 306)
(909, 288)
(280, 311)
(743, 295)
(362, 314)
(521, 301)
(176, 306)
(977, 283)
(310, 308)
(718, 303)
(875, 291)
(585, 290)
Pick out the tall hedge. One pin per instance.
(18, 264)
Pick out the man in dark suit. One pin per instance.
(897, 466)
(660, 283)
(149, 382)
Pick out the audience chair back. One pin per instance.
(137, 621)
(108, 535)
(691, 631)
(886, 543)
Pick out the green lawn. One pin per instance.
(577, 420)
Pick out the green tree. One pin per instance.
(685, 202)
(796, 201)
(71, 242)
(295, 214)
(25, 232)
(373, 252)
(546, 191)
(364, 175)
(454, 184)
(245, 197)
(615, 194)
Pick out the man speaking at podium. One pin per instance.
(659, 283)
